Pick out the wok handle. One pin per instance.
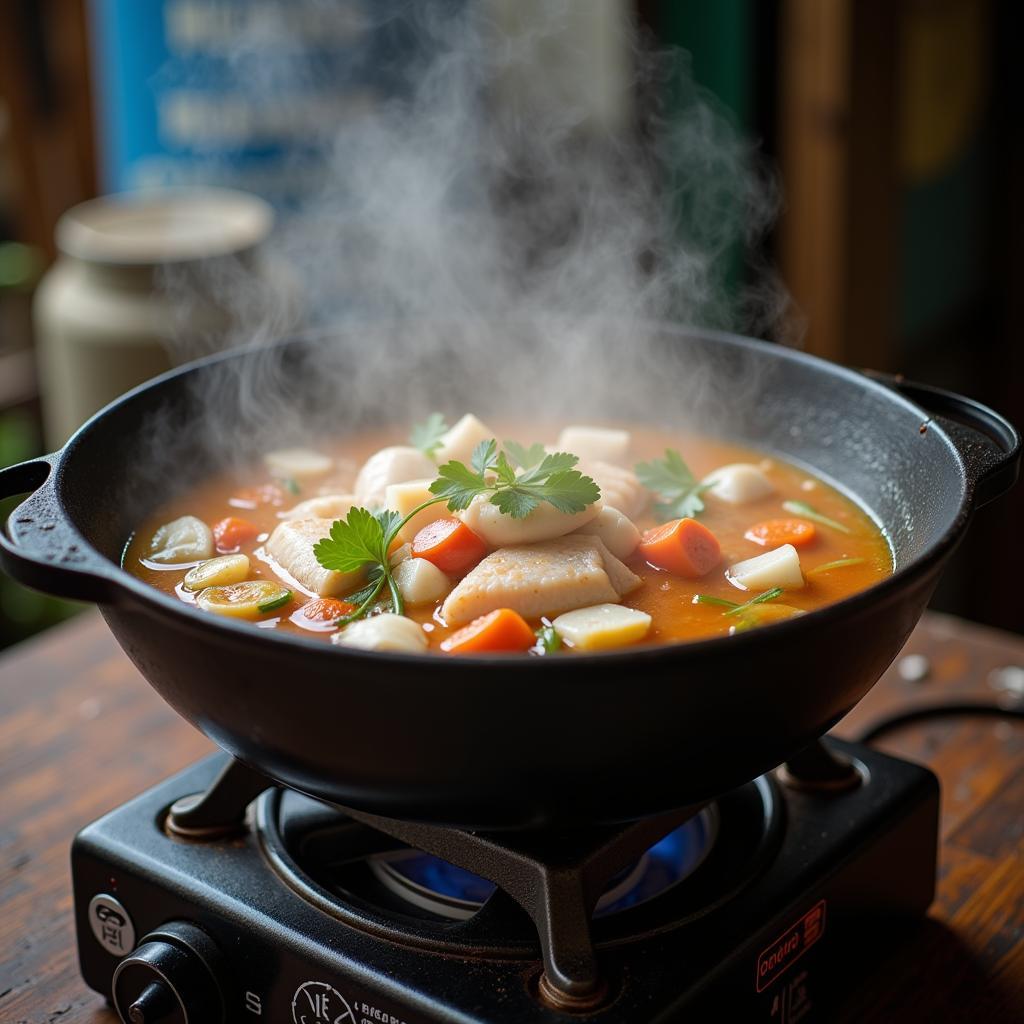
(38, 545)
(988, 443)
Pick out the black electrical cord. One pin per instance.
(990, 709)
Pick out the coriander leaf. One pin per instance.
(548, 640)
(484, 456)
(768, 595)
(671, 479)
(427, 435)
(517, 502)
(525, 458)
(458, 485)
(505, 470)
(390, 524)
(557, 463)
(570, 491)
(353, 542)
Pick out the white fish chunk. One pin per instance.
(291, 546)
(548, 578)
(395, 465)
(779, 567)
(326, 506)
(620, 487)
(298, 463)
(598, 443)
(615, 530)
(739, 483)
(545, 522)
(385, 632)
(459, 441)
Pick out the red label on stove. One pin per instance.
(790, 946)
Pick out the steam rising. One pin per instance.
(500, 239)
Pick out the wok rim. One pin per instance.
(156, 603)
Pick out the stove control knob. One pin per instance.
(170, 978)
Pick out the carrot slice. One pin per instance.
(326, 609)
(773, 533)
(450, 544)
(231, 533)
(500, 630)
(682, 546)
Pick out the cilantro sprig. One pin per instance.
(671, 479)
(553, 480)
(363, 538)
(427, 435)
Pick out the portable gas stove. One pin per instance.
(212, 898)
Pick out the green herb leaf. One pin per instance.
(525, 458)
(839, 563)
(427, 435)
(485, 456)
(801, 508)
(548, 640)
(290, 484)
(671, 479)
(458, 485)
(768, 595)
(718, 602)
(504, 469)
(355, 541)
(516, 502)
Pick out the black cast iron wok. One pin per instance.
(514, 742)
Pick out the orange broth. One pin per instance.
(668, 599)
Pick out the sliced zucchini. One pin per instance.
(244, 600)
(217, 572)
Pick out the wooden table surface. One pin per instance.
(80, 732)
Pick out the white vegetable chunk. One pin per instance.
(395, 465)
(181, 541)
(327, 506)
(385, 632)
(620, 487)
(420, 582)
(615, 530)
(739, 483)
(217, 572)
(403, 498)
(548, 578)
(602, 626)
(291, 546)
(459, 441)
(545, 522)
(598, 443)
(777, 568)
(297, 463)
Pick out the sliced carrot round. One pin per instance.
(450, 544)
(682, 546)
(773, 533)
(500, 630)
(231, 533)
(326, 609)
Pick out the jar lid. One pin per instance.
(167, 225)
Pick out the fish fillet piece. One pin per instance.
(540, 579)
(620, 487)
(291, 546)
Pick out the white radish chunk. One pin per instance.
(327, 506)
(217, 572)
(403, 498)
(598, 443)
(181, 541)
(291, 546)
(395, 465)
(385, 632)
(420, 582)
(458, 442)
(617, 531)
(739, 483)
(777, 568)
(545, 522)
(244, 600)
(620, 487)
(602, 626)
(297, 463)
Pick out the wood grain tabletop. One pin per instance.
(81, 732)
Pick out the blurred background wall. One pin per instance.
(895, 126)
